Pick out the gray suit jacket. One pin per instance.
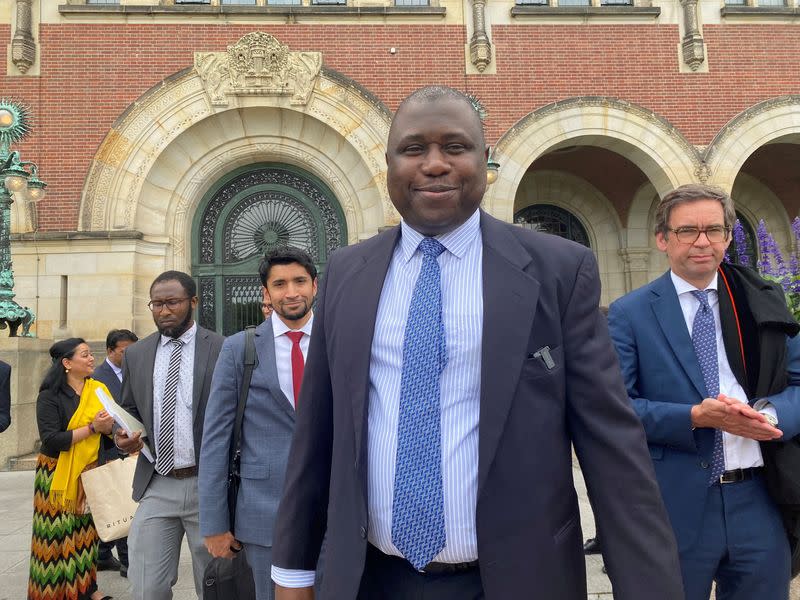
(137, 392)
(267, 429)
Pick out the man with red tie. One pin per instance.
(289, 278)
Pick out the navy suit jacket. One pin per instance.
(664, 380)
(267, 428)
(539, 290)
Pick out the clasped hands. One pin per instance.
(737, 418)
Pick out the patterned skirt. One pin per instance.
(64, 546)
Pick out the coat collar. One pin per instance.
(667, 310)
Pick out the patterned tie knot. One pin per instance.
(176, 343)
(431, 247)
(702, 297)
(295, 336)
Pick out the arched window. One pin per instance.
(552, 219)
(750, 250)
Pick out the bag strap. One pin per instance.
(250, 361)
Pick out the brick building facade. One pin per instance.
(192, 135)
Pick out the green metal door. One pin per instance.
(247, 212)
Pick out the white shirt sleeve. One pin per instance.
(293, 578)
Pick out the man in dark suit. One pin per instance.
(711, 370)
(455, 362)
(165, 384)
(110, 374)
(5, 395)
(289, 278)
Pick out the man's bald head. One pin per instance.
(434, 93)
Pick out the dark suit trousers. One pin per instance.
(392, 578)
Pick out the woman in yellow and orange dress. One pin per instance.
(71, 420)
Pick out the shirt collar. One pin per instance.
(684, 287)
(456, 242)
(279, 328)
(187, 336)
(117, 370)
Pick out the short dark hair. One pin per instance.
(692, 192)
(115, 336)
(286, 255)
(186, 281)
(56, 377)
(433, 93)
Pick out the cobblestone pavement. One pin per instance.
(16, 507)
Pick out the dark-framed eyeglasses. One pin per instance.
(689, 235)
(170, 303)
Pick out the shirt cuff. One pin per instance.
(765, 407)
(293, 578)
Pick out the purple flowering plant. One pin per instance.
(771, 264)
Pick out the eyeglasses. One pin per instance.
(171, 303)
(689, 235)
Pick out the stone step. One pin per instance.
(26, 462)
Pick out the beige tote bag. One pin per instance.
(108, 491)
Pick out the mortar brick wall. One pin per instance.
(90, 74)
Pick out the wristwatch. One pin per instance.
(770, 419)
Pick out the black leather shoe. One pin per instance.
(123, 571)
(108, 564)
(592, 546)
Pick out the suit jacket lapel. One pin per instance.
(149, 366)
(267, 363)
(505, 283)
(365, 285)
(201, 352)
(668, 313)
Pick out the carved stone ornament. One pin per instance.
(23, 47)
(258, 65)
(692, 43)
(480, 48)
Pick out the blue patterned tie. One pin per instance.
(418, 507)
(704, 340)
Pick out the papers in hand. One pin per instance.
(123, 418)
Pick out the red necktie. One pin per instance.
(297, 363)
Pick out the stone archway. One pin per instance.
(768, 121)
(643, 137)
(161, 156)
(591, 208)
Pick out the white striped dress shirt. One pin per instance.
(460, 384)
(184, 434)
(462, 309)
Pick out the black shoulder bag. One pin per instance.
(225, 579)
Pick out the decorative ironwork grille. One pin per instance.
(552, 219)
(253, 211)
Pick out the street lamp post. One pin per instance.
(17, 178)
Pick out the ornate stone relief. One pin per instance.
(480, 48)
(23, 46)
(692, 43)
(258, 65)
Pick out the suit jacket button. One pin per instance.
(363, 532)
(704, 464)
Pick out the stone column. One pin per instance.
(23, 48)
(636, 262)
(692, 44)
(480, 48)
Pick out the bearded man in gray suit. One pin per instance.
(289, 278)
(165, 384)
